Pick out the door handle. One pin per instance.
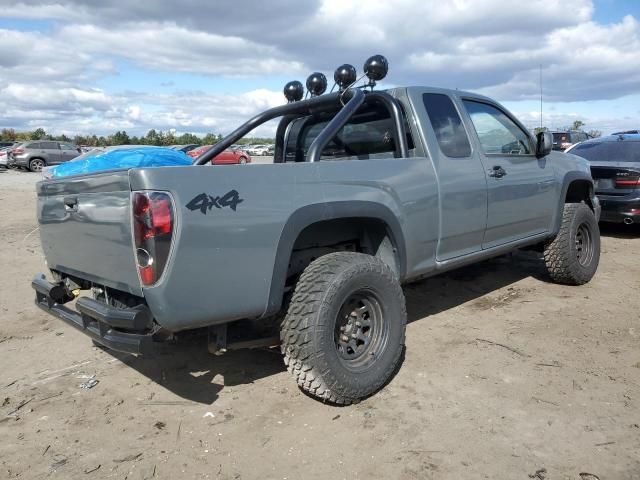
(497, 172)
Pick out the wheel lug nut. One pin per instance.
(345, 338)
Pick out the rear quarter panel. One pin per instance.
(222, 263)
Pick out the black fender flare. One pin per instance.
(310, 214)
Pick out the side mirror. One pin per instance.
(544, 144)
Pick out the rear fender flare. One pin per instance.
(310, 214)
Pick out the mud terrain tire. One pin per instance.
(572, 256)
(343, 335)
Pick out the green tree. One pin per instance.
(152, 138)
(187, 138)
(210, 139)
(577, 125)
(120, 138)
(8, 135)
(38, 134)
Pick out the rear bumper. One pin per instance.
(620, 210)
(18, 161)
(99, 321)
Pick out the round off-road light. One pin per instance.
(316, 84)
(376, 67)
(293, 91)
(344, 75)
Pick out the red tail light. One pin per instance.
(628, 182)
(153, 222)
(17, 151)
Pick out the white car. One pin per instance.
(259, 150)
(3, 156)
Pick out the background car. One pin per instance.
(7, 144)
(259, 150)
(4, 155)
(228, 157)
(37, 154)
(184, 148)
(615, 168)
(565, 139)
(627, 132)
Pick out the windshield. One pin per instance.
(619, 151)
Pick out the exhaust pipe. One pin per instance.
(628, 221)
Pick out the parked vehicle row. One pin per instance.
(35, 155)
(565, 139)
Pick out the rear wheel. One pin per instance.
(344, 332)
(572, 257)
(242, 160)
(36, 165)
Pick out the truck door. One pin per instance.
(521, 197)
(462, 182)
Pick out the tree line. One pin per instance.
(152, 137)
(577, 125)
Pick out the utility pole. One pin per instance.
(540, 96)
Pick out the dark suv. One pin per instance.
(615, 168)
(563, 140)
(36, 154)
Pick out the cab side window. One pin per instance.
(498, 134)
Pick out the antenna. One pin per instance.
(540, 96)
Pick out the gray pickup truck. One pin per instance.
(368, 190)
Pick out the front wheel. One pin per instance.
(572, 257)
(242, 160)
(344, 332)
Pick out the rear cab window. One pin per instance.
(367, 135)
(497, 132)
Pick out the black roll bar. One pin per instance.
(309, 107)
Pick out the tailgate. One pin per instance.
(85, 228)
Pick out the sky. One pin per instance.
(81, 67)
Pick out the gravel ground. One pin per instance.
(506, 376)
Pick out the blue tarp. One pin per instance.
(123, 159)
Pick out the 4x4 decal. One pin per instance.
(204, 202)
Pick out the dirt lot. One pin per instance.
(506, 376)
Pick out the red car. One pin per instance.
(227, 157)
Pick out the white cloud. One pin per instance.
(50, 77)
